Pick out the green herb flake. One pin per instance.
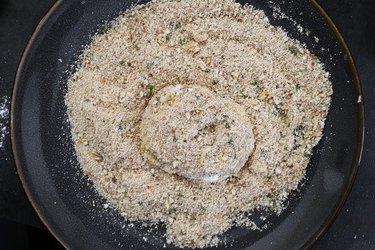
(172, 210)
(150, 65)
(300, 131)
(202, 208)
(174, 25)
(183, 41)
(293, 49)
(122, 126)
(226, 122)
(255, 83)
(150, 91)
(103, 29)
(215, 81)
(273, 203)
(122, 62)
(178, 25)
(307, 155)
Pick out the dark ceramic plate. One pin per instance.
(66, 201)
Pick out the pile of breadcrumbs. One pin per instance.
(235, 54)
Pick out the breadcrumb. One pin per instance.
(234, 52)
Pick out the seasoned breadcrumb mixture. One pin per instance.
(268, 89)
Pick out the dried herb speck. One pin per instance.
(103, 29)
(293, 49)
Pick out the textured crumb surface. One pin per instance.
(194, 133)
(233, 52)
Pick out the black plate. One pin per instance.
(66, 201)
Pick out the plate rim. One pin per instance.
(341, 199)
